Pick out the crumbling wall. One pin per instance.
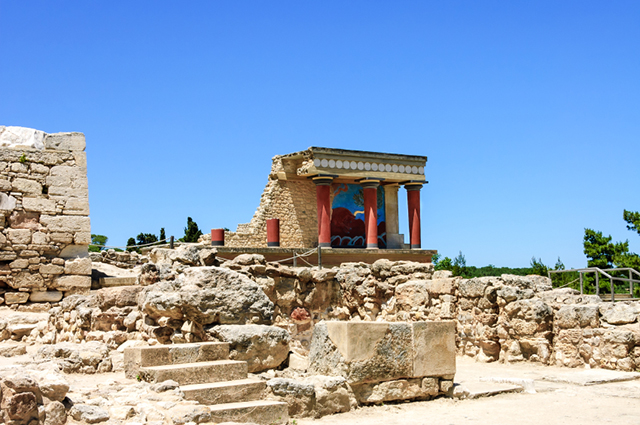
(291, 201)
(44, 215)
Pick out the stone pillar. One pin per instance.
(323, 199)
(394, 239)
(370, 189)
(413, 199)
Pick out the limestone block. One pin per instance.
(65, 238)
(65, 141)
(577, 316)
(24, 220)
(412, 294)
(26, 280)
(38, 168)
(79, 266)
(19, 236)
(40, 238)
(70, 224)
(619, 313)
(47, 206)
(45, 296)
(81, 159)
(16, 297)
(444, 286)
(71, 282)
(435, 347)
(75, 251)
(82, 238)
(18, 167)
(26, 186)
(5, 185)
(7, 202)
(21, 263)
(361, 352)
(77, 206)
(262, 347)
(67, 191)
(401, 389)
(21, 137)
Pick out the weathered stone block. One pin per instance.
(78, 266)
(16, 297)
(71, 282)
(77, 206)
(26, 186)
(365, 352)
(70, 224)
(7, 202)
(40, 205)
(19, 236)
(65, 141)
(412, 294)
(82, 238)
(65, 238)
(26, 280)
(24, 220)
(438, 287)
(45, 296)
(51, 269)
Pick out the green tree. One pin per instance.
(632, 219)
(600, 251)
(537, 267)
(131, 245)
(100, 240)
(191, 232)
(163, 236)
(459, 266)
(443, 264)
(146, 238)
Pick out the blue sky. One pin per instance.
(529, 112)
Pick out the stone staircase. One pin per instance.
(206, 374)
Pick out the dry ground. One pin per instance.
(553, 403)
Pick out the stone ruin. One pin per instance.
(308, 341)
(44, 216)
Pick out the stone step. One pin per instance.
(107, 282)
(224, 392)
(160, 355)
(196, 373)
(263, 412)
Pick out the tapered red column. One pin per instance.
(370, 189)
(323, 199)
(413, 199)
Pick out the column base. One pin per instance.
(217, 243)
(324, 244)
(372, 246)
(419, 246)
(273, 244)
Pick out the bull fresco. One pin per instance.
(347, 217)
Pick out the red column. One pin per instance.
(370, 189)
(217, 237)
(413, 198)
(273, 232)
(323, 198)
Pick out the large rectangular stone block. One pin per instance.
(65, 141)
(69, 224)
(71, 282)
(40, 205)
(364, 352)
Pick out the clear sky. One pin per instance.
(529, 111)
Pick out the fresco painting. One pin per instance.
(347, 217)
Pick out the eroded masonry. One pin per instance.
(44, 214)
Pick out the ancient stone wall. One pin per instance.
(291, 201)
(44, 215)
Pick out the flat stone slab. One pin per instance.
(480, 389)
(108, 282)
(590, 376)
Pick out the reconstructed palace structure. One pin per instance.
(337, 198)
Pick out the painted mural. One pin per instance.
(347, 217)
